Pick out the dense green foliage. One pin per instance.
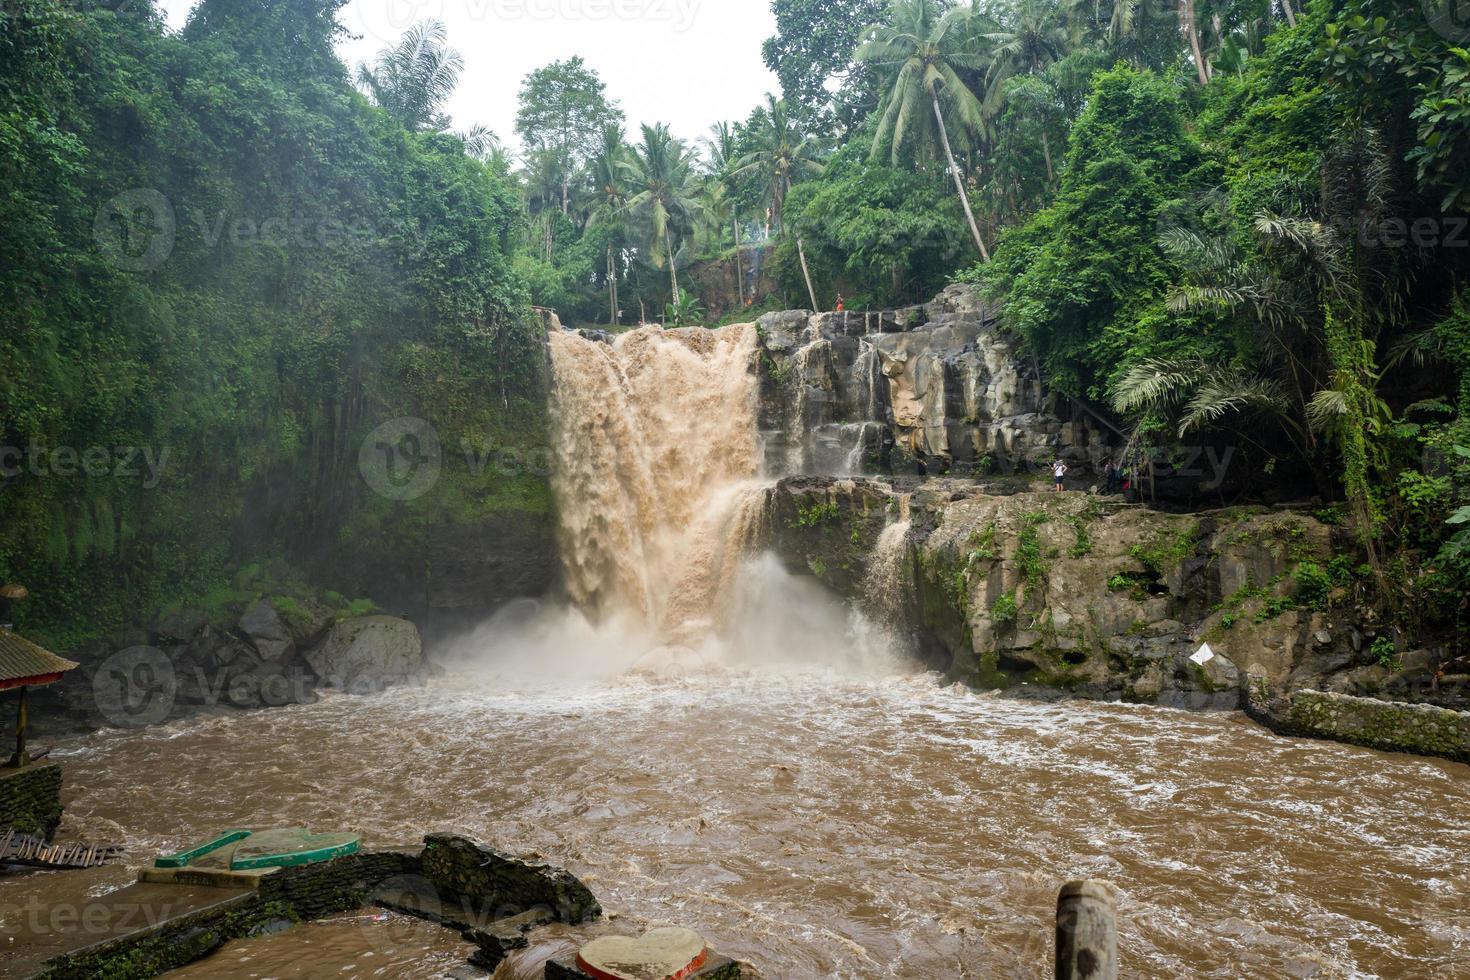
(1226, 222)
(218, 256)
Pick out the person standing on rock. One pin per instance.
(1059, 474)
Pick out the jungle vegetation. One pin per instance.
(1228, 220)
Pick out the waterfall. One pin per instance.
(656, 445)
(885, 586)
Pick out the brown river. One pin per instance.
(822, 825)
(734, 751)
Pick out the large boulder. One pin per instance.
(262, 626)
(368, 654)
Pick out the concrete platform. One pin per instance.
(74, 924)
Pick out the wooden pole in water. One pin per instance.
(1087, 932)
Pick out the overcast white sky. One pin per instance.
(685, 62)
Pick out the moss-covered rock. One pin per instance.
(1420, 729)
(1078, 593)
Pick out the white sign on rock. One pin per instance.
(1203, 655)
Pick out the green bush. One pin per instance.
(1005, 609)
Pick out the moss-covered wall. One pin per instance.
(1420, 729)
(486, 880)
(30, 800)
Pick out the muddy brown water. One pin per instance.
(822, 826)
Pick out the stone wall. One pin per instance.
(1420, 729)
(30, 800)
(313, 891)
(289, 895)
(485, 879)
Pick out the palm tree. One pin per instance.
(665, 194)
(611, 171)
(1031, 36)
(481, 142)
(922, 52)
(783, 155)
(413, 79)
(722, 145)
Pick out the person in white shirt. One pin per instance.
(1059, 473)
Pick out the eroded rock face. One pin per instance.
(931, 389)
(1076, 593)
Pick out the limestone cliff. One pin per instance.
(1084, 594)
(930, 389)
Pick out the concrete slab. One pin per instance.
(68, 924)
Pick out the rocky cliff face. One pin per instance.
(1086, 595)
(932, 389)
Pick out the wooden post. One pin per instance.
(1087, 932)
(19, 759)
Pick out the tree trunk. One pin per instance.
(1186, 8)
(673, 270)
(612, 287)
(959, 184)
(806, 272)
(739, 274)
(1051, 174)
(1290, 14)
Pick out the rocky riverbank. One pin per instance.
(1085, 595)
(269, 644)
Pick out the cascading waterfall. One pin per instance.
(656, 448)
(884, 585)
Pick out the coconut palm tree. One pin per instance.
(611, 169)
(413, 79)
(481, 142)
(783, 155)
(722, 145)
(922, 52)
(1030, 36)
(665, 194)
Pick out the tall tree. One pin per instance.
(811, 53)
(922, 51)
(782, 157)
(611, 171)
(665, 195)
(413, 79)
(563, 110)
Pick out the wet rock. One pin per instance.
(1067, 592)
(369, 653)
(177, 625)
(940, 382)
(306, 619)
(482, 878)
(262, 626)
